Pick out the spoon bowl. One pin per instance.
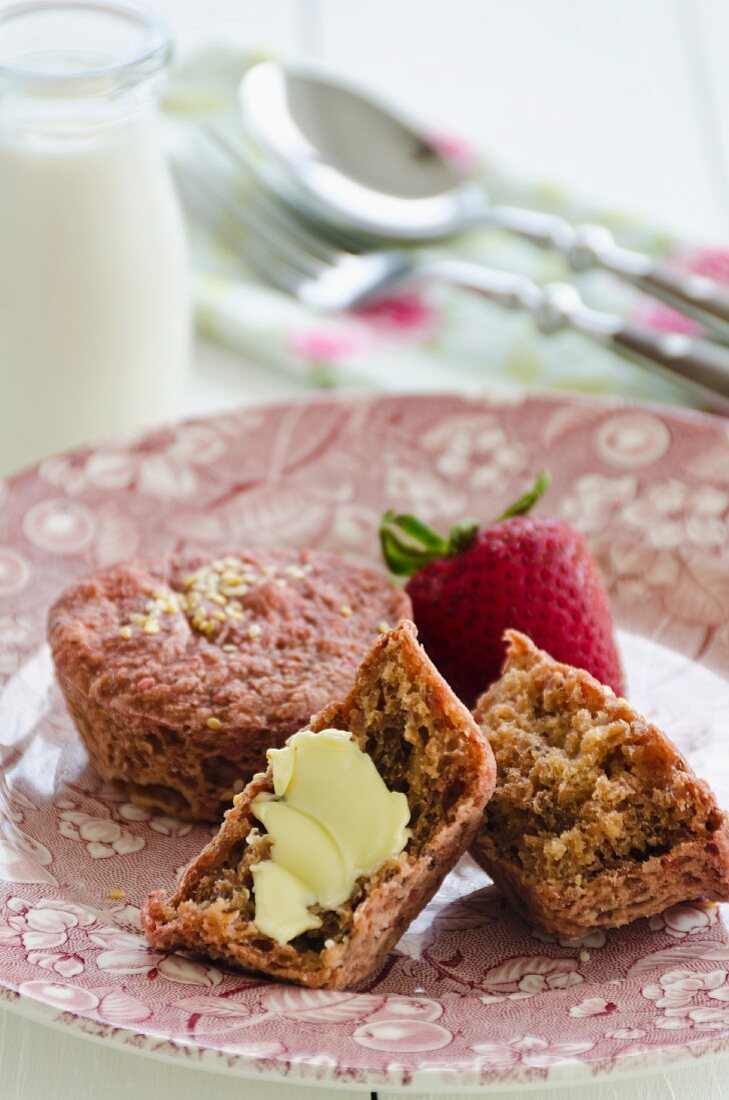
(352, 161)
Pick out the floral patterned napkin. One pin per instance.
(437, 339)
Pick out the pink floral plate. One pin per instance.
(471, 996)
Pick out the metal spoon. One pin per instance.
(347, 159)
(223, 196)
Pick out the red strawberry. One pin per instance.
(533, 574)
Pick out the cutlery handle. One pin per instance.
(697, 363)
(586, 246)
(702, 298)
(704, 365)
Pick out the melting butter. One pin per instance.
(331, 819)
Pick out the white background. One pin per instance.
(626, 99)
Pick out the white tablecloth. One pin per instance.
(41, 1063)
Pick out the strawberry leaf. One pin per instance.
(418, 531)
(401, 560)
(408, 544)
(526, 502)
(419, 546)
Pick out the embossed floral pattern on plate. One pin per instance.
(471, 996)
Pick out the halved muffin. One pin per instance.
(596, 818)
(180, 672)
(425, 746)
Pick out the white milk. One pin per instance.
(94, 294)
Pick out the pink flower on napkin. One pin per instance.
(402, 314)
(711, 262)
(662, 317)
(323, 345)
(407, 316)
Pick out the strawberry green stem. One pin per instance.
(526, 502)
(408, 544)
(422, 545)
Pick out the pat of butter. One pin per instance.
(281, 902)
(330, 820)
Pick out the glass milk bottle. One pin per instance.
(94, 275)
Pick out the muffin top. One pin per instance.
(245, 639)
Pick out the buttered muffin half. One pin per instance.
(326, 858)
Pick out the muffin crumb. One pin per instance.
(596, 819)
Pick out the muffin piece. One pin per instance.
(596, 818)
(180, 673)
(425, 744)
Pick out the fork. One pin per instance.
(323, 273)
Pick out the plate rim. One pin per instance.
(569, 1072)
(436, 1081)
(502, 396)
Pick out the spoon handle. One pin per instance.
(698, 296)
(701, 365)
(586, 246)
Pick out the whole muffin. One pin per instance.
(179, 673)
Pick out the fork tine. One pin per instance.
(329, 236)
(252, 224)
(276, 244)
(269, 265)
(322, 242)
(250, 189)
